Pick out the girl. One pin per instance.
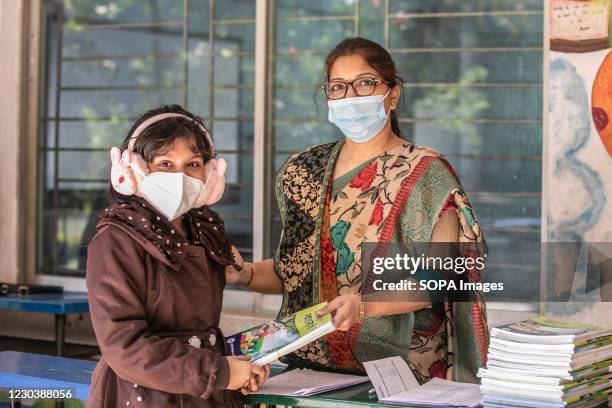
(155, 273)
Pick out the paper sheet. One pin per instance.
(440, 393)
(394, 382)
(304, 382)
(390, 376)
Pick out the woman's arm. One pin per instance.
(257, 276)
(346, 308)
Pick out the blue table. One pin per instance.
(26, 370)
(56, 304)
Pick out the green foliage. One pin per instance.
(449, 87)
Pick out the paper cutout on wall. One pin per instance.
(579, 25)
(577, 186)
(579, 182)
(601, 103)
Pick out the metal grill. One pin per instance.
(53, 226)
(378, 20)
(381, 26)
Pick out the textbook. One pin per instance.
(269, 341)
(544, 330)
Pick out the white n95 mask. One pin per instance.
(169, 193)
(172, 194)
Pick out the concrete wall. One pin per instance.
(11, 94)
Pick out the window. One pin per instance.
(105, 63)
(473, 90)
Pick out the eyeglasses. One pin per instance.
(363, 86)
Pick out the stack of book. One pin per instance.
(548, 363)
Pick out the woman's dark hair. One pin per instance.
(157, 138)
(376, 56)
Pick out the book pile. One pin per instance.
(548, 363)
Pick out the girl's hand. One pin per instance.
(232, 275)
(345, 311)
(243, 373)
(256, 381)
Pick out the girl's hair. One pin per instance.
(157, 138)
(376, 56)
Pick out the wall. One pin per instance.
(11, 90)
(579, 157)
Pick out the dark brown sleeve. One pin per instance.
(116, 285)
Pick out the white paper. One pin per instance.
(440, 393)
(304, 382)
(390, 376)
(394, 382)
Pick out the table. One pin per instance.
(56, 304)
(355, 396)
(27, 370)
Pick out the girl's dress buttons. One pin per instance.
(194, 341)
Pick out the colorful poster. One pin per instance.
(578, 160)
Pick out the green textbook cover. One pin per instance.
(269, 341)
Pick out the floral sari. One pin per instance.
(397, 197)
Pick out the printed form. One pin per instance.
(395, 383)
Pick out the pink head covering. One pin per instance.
(160, 117)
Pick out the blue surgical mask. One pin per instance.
(360, 118)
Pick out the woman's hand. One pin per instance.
(345, 311)
(232, 275)
(244, 375)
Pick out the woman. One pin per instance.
(371, 187)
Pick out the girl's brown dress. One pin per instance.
(151, 290)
